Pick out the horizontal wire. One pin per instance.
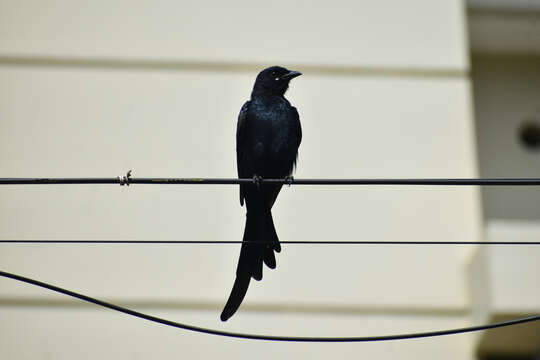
(127, 180)
(266, 337)
(292, 242)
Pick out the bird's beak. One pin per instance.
(291, 75)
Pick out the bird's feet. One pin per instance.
(257, 180)
(289, 180)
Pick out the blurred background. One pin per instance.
(391, 89)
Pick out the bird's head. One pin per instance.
(274, 80)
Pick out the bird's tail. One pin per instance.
(259, 243)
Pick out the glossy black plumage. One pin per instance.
(267, 139)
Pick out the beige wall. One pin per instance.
(90, 89)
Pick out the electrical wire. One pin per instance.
(292, 242)
(128, 180)
(266, 337)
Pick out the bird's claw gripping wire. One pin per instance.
(289, 180)
(257, 180)
(124, 180)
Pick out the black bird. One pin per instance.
(268, 135)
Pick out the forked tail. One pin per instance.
(259, 243)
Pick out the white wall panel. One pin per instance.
(94, 334)
(420, 33)
(97, 88)
(97, 123)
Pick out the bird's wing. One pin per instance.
(298, 131)
(240, 140)
(295, 141)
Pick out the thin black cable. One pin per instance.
(127, 180)
(265, 337)
(292, 242)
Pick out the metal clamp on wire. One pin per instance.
(124, 180)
